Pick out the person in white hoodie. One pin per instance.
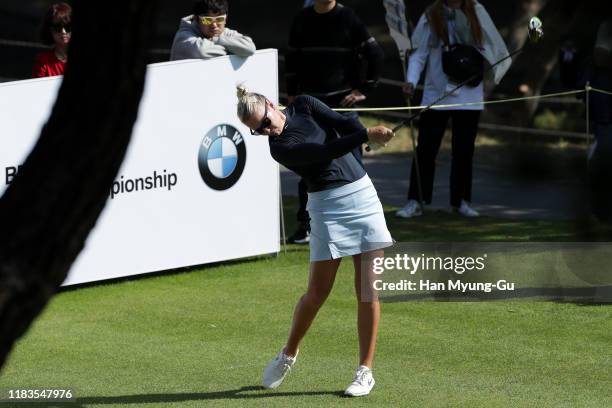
(447, 23)
(204, 35)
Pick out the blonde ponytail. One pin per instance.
(241, 91)
(248, 102)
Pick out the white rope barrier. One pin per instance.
(458, 105)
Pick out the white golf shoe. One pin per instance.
(467, 211)
(277, 369)
(411, 209)
(362, 384)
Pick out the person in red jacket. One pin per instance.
(55, 31)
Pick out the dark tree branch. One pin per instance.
(517, 32)
(515, 35)
(48, 211)
(535, 64)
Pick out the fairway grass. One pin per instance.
(202, 337)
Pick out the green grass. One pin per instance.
(573, 120)
(202, 338)
(443, 226)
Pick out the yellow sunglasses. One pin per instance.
(207, 20)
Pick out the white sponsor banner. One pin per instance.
(195, 186)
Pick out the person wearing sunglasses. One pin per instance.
(204, 34)
(56, 31)
(347, 218)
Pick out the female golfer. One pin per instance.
(346, 216)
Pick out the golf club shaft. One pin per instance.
(462, 84)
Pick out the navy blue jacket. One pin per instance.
(319, 145)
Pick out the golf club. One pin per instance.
(535, 33)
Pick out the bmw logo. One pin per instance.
(222, 157)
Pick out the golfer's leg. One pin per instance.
(368, 307)
(320, 283)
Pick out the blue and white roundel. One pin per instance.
(222, 157)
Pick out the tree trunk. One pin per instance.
(515, 34)
(538, 61)
(532, 68)
(517, 31)
(48, 211)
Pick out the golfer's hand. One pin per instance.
(408, 89)
(379, 135)
(352, 98)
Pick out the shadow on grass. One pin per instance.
(584, 296)
(240, 393)
(42, 404)
(442, 226)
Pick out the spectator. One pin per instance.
(569, 62)
(597, 73)
(334, 58)
(203, 34)
(444, 25)
(56, 32)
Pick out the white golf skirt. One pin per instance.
(346, 220)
